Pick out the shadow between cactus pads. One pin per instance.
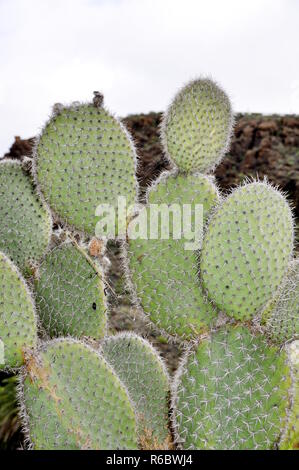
(72, 399)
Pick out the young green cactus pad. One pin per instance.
(26, 224)
(72, 399)
(18, 324)
(162, 273)
(290, 437)
(70, 294)
(197, 126)
(246, 249)
(232, 392)
(142, 371)
(282, 322)
(84, 158)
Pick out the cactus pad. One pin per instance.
(283, 319)
(72, 399)
(290, 437)
(26, 224)
(232, 392)
(18, 325)
(70, 294)
(163, 274)
(246, 249)
(196, 128)
(142, 371)
(84, 158)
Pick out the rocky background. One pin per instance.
(262, 146)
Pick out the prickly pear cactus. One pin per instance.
(290, 437)
(246, 249)
(197, 126)
(142, 371)
(72, 399)
(9, 422)
(70, 294)
(232, 392)
(26, 224)
(84, 158)
(282, 321)
(162, 273)
(18, 324)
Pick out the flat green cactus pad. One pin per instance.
(84, 158)
(246, 249)
(18, 325)
(72, 399)
(197, 126)
(290, 437)
(282, 321)
(142, 371)
(70, 294)
(26, 224)
(163, 273)
(232, 392)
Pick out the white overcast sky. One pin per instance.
(139, 52)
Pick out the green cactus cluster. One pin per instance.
(195, 133)
(70, 294)
(282, 322)
(231, 300)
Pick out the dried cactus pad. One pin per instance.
(72, 399)
(84, 158)
(70, 294)
(142, 371)
(283, 318)
(246, 249)
(26, 224)
(197, 126)
(232, 392)
(18, 325)
(290, 437)
(163, 274)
